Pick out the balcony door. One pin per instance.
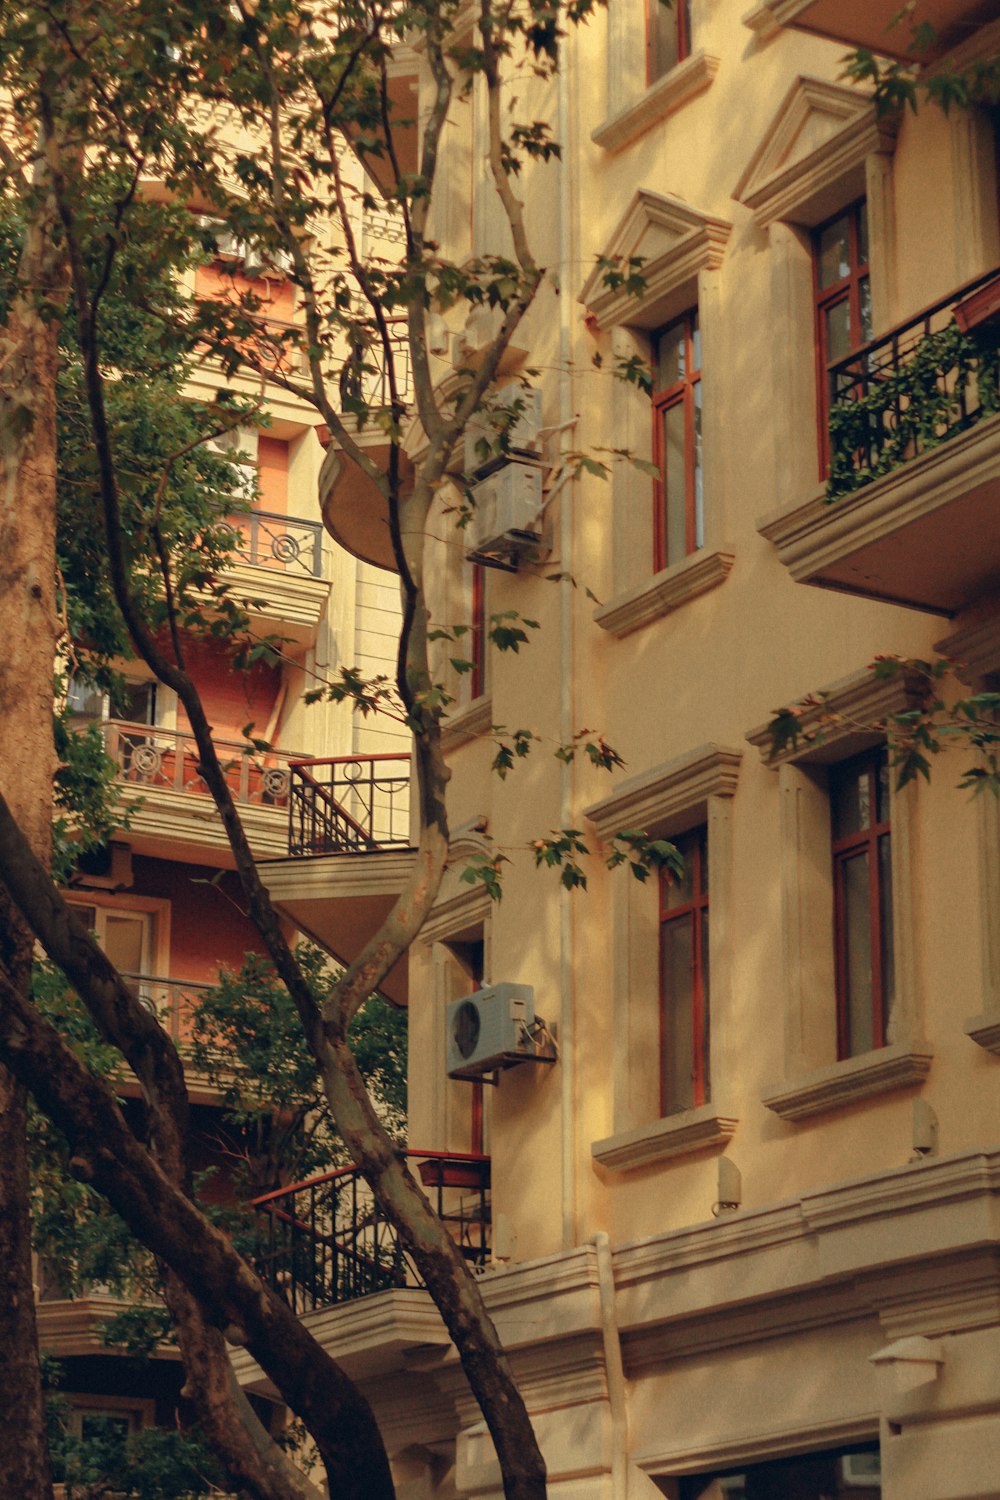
(127, 937)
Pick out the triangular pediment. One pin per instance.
(822, 132)
(664, 240)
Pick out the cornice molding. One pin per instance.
(852, 1078)
(677, 789)
(780, 181)
(693, 1130)
(662, 99)
(847, 715)
(673, 240)
(467, 723)
(665, 591)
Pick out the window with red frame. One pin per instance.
(842, 285)
(862, 901)
(668, 36)
(679, 517)
(684, 1074)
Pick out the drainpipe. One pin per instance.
(613, 1367)
(566, 134)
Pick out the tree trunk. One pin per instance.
(27, 759)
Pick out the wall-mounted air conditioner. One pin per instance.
(523, 438)
(492, 1029)
(506, 526)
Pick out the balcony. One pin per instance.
(355, 512)
(278, 565)
(326, 1241)
(171, 810)
(911, 509)
(869, 23)
(349, 852)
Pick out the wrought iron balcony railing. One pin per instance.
(171, 1001)
(908, 391)
(285, 543)
(149, 756)
(349, 805)
(326, 1241)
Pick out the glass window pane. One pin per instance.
(882, 779)
(706, 1012)
(850, 799)
(670, 352)
(699, 477)
(857, 954)
(661, 23)
(678, 890)
(834, 246)
(695, 322)
(677, 1020)
(885, 915)
(125, 942)
(674, 485)
(838, 331)
(863, 233)
(865, 296)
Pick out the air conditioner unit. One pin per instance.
(489, 1030)
(506, 525)
(108, 868)
(523, 440)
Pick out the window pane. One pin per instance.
(881, 767)
(838, 331)
(834, 257)
(865, 296)
(699, 478)
(661, 23)
(706, 1011)
(857, 955)
(885, 916)
(695, 322)
(863, 233)
(139, 702)
(677, 1020)
(850, 799)
(674, 485)
(124, 942)
(670, 352)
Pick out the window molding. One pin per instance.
(851, 711)
(467, 723)
(977, 646)
(665, 801)
(698, 1129)
(677, 242)
(665, 591)
(658, 102)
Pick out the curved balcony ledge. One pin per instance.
(355, 512)
(339, 900)
(925, 536)
(288, 604)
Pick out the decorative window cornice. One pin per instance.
(670, 797)
(674, 242)
(820, 136)
(665, 591)
(656, 103)
(845, 718)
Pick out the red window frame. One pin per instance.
(846, 289)
(694, 848)
(684, 393)
(657, 15)
(866, 841)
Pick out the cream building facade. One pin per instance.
(743, 1233)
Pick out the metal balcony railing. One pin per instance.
(171, 1001)
(286, 543)
(355, 804)
(368, 380)
(149, 756)
(326, 1241)
(908, 391)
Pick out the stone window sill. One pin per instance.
(678, 1135)
(985, 1032)
(468, 723)
(853, 1078)
(665, 592)
(661, 99)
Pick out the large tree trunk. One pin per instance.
(27, 765)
